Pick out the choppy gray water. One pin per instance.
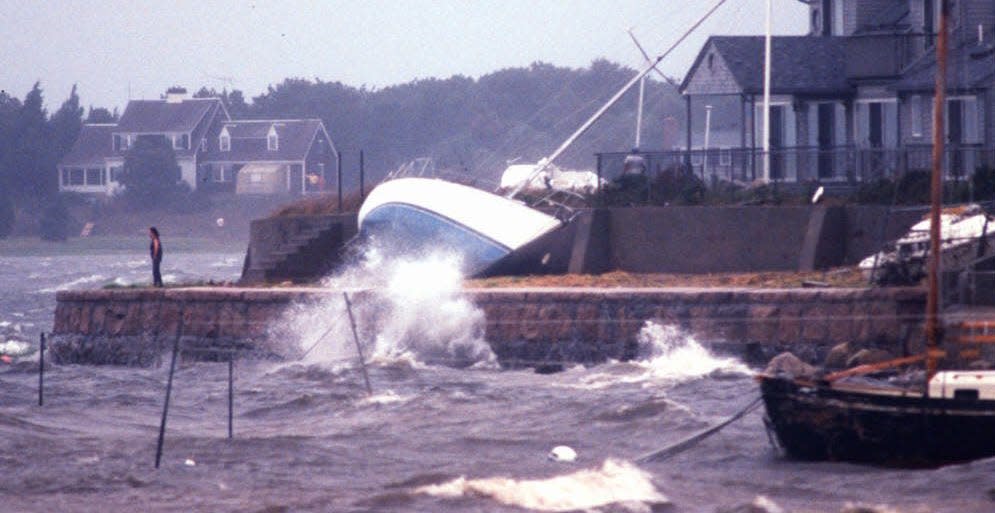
(433, 438)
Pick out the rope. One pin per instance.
(691, 441)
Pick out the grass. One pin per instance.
(841, 277)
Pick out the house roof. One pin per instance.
(157, 116)
(248, 140)
(800, 64)
(968, 68)
(91, 147)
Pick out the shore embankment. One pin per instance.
(583, 324)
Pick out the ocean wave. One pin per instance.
(614, 482)
(84, 280)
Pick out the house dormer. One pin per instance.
(224, 140)
(272, 139)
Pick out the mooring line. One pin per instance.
(692, 440)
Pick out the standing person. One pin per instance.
(155, 251)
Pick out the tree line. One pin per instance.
(471, 125)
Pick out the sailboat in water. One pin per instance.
(941, 417)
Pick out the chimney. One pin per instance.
(176, 94)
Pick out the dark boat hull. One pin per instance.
(819, 423)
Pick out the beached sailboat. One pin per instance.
(492, 233)
(942, 417)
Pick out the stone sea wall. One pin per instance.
(137, 326)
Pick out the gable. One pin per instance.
(710, 74)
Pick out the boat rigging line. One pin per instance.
(547, 161)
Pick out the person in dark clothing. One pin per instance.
(155, 251)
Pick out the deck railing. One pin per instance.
(843, 165)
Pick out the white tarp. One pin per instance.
(551, 177)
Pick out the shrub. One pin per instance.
(55, 221)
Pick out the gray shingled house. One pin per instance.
(286, 156)
(850, 102)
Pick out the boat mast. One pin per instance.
(544, 163)
(936, 196)
(766, 106)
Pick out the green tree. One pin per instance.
(30, 147)
(101, 115)
(151, 176)
(63, 127)
(55, 221)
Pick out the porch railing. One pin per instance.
(806, 164)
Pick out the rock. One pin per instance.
(838, 356)
(787, 363)
(868, 356)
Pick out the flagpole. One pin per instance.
(766, 104)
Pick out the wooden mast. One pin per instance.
(936, 196)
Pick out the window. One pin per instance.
(116, 173)
(95, 176)
(221, 173)
(224, 141)
(915, 115)
(121, 142)
(76, 176)
(181, 141)
(272, 140)
(64, 176)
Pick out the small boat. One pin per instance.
(491, 234)
(952, 421)
(939, 418)
(968, 237)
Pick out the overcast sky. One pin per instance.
(116, 50)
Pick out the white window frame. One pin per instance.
(272, 139)
(224, 142)
(725, 157)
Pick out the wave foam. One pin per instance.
(409, 309)
(615, 482)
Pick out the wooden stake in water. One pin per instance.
(359, 348)
(169, 390)
(41, 372)
(231, 395)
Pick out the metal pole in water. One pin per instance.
(41, 372)
(169, 390)
(359, 349)
(338, 179)
(231, 395)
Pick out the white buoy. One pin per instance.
(220, 222)
(189, 462)
(562, 453)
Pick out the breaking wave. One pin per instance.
(404, 309)
(667, 352)
(615, 482)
